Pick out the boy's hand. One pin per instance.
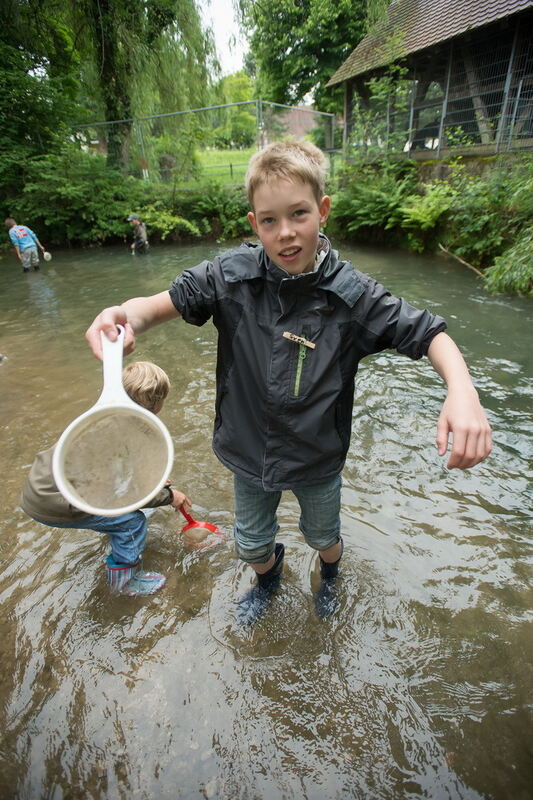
(180, 500)
(463, 417)
(107, 321)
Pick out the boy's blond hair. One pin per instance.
(288, 160)
(146, 384)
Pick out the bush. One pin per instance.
(223, 210)
(73, 197)
(512, 272)
(163, 224)
(368, 201)
(479, 220)
(421, 214)
(484, 220)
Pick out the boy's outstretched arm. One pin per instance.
(462, 414)
(136, 315)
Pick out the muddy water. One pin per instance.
(419, 687)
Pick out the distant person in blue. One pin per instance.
(25, 242)
(140, 237)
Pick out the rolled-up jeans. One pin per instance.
(127, 533)
(256, 523)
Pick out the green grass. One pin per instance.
(225, 166)
(213, 157)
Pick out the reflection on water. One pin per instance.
(419, 687)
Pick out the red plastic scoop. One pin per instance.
(192, 523)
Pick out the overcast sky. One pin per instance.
(230, 46)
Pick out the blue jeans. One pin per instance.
(127, 533)
(256, 523)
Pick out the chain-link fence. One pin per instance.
(180, 149)
(475, 93)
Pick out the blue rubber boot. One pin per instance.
(326, 601)
(255, 602)
(129, 580)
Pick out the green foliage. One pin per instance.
(368, 201)
(379, 123)
(162, 223)
(34, 108)
(223, 210)
(486, 220)
(477, 222)
(512, 272)
(489, 211)
(73, 197)
(419, 215)
(296, 47)
(235, 126)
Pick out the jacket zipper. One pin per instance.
(302, 352)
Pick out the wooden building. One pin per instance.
(439, 75)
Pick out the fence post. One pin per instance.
(387, 133)
(444, 109)
(144, 161)
(259, 117)
(507, 87)
(513, 118)
(411, 116)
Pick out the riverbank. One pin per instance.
(480, 216)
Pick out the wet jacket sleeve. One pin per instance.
(164, 497)
(391, 322)
(194, 292)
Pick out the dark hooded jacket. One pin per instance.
(284, 408)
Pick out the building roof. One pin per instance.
(417, 24)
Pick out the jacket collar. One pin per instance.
(249, 262)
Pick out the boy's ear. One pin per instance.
(324, 208)
(252, 220)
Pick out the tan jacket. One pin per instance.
(41, 499)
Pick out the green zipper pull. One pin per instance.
(302, 352)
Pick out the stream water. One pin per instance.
(419, 687)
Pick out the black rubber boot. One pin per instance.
(255, 602)
(326, 602)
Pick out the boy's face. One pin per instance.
(287, 219)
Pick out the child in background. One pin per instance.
(25, 243)
(148, 385)
(140, 237)
(294, 320)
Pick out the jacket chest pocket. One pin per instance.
(313, 356)
(299, 369)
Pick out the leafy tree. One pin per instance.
(38, 84)
(236, 126)
(141, 49)
(69, 62)
(297, 45)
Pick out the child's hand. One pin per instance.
(107, 322)
(463, 417)
(180, 500)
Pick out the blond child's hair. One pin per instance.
(288, 160)
(146, 384)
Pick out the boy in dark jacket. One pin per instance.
(294, 320)
(148, 385)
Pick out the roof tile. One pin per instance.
(417, 24)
